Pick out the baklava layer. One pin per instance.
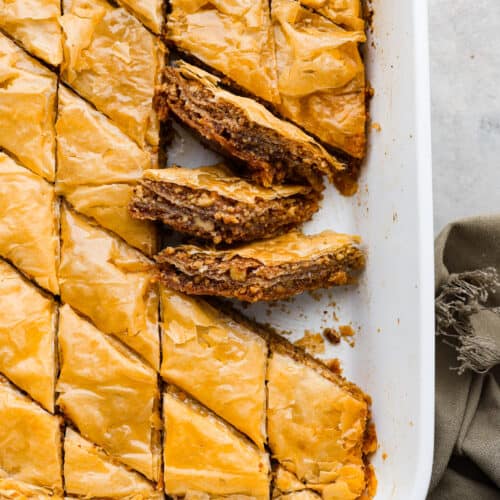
(211, 203)
(271, 269)
(233, 38)
(272, 150)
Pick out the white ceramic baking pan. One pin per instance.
(391, 308)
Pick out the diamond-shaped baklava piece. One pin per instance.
(35, 24)
(216, 360)
(110, 283)
(234, 38)
(30, 447)
(27, 109)
(109, 394)
(90, 473)
(27, 336)
(112, 60)
(317, 425)
(203, 454)
(97, 165)
(28, 223)
(321, 76)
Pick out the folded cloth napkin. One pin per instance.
(467, 447)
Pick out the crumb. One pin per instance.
(384, 456)
(376, 126)
(315, 295)
(334, 365)
(379, 330)
(395, 217)
(334, 316)
(411, 423)
(332, 335)
(346, 331)
(398, 321)
(312, 343)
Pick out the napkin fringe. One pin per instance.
(462, 296)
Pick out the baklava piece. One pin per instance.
(112, 60)
(29, 234)
(204, 457)
(321, 76)
(265, 270)
(109, 394)
(216, 360)
(318, 424)
(347, 13)
(91, 473)
(97, 167)
(272, 150)
(35, 24)
(110, 283)
(27, 109)
(233, 38)
(27, 336)
(213, 204)
(30, 454)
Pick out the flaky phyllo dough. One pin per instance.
(35, 24)
(27, 109)
(98, 166)
(111, 59)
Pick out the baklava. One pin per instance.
(91, 473)
(110, 283)
(149, 12)
(271, 269)
(110, 396)
(29, 233)
(217, 360)
(270, 149)
(112, 60)
(97, 167)
(27, 336)
(213, 204)
(36, 25)
(318, 426)
(30, 455)
(321, 76)
(233, 38)
(27, 109)
(204, 456)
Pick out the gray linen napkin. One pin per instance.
(467, 447)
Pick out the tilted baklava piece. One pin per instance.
(35, 24)
(112, 60)
(204, 455)
(29, 234)
(97, 167)
(317, 424)
(272, 150)
(27, 109)
(321, 76)
(91, 473)
(212, 203)
(109, 394)
(30, 447)
(347, 13)
(27, 336)
(216, 360)
(233, 38)
(265, 270)
(110, 283)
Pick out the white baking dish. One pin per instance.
(392, 307)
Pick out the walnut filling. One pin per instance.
(251, 281)
(272, 157)
(208, 215)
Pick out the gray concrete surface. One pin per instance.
(465, 79)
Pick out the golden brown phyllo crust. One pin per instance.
(211, 203)
(270, 150)
(272, 269)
